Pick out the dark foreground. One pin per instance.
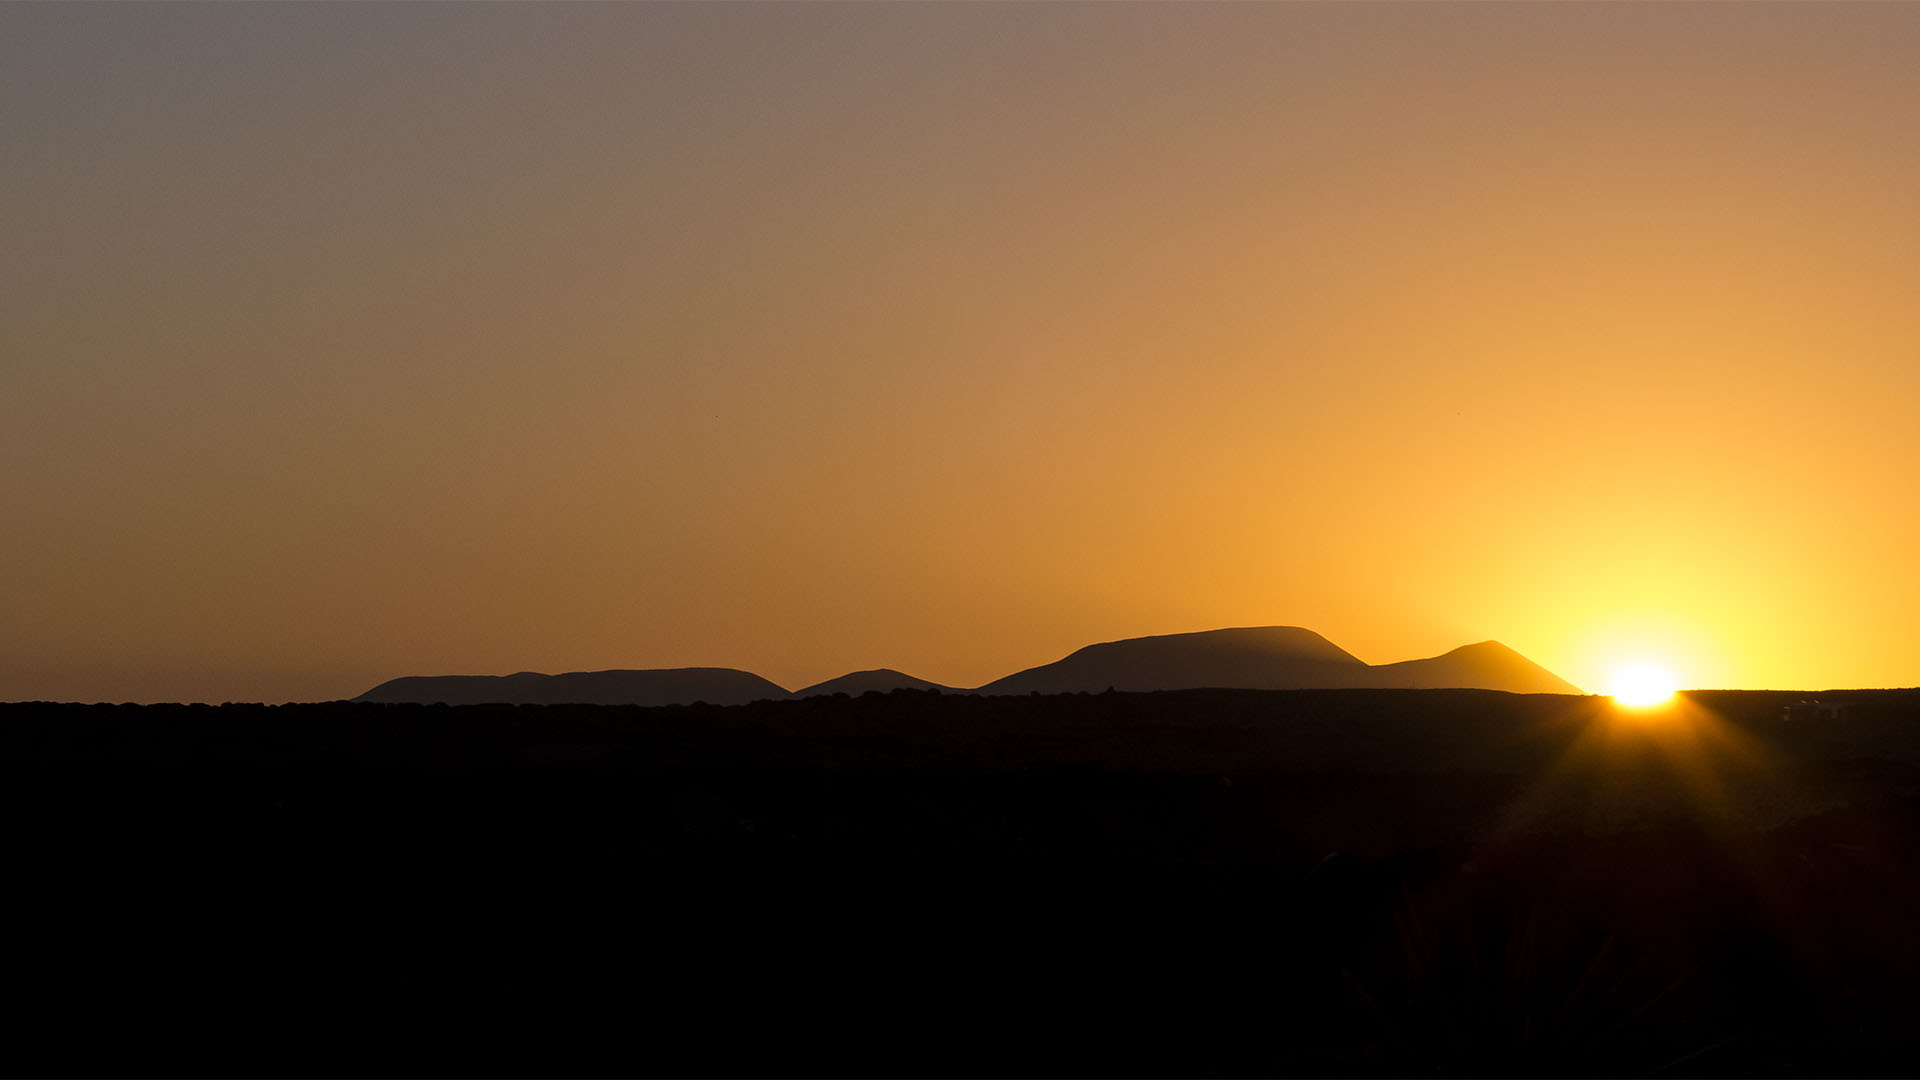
(1189, 883)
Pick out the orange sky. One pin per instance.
(346, 342)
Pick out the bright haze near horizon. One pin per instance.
(344, 342)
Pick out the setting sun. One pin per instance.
(1642, 686)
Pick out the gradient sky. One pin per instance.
(341, 342)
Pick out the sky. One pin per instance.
(344, 342)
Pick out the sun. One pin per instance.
(1642, 686)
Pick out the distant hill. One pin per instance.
(661, 686)
(1243, 658)
(1273, 658)
(1250, 658)
(1488, 665)
(860, 682)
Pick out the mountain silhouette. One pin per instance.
(861, 682)
(1273, 658)
(1488, 665)
(1250, 658)
(658, 686)
(1242, 658)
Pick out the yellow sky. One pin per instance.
(350, 342)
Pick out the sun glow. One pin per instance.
(1642, 686)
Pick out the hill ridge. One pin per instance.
(1240, 657)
